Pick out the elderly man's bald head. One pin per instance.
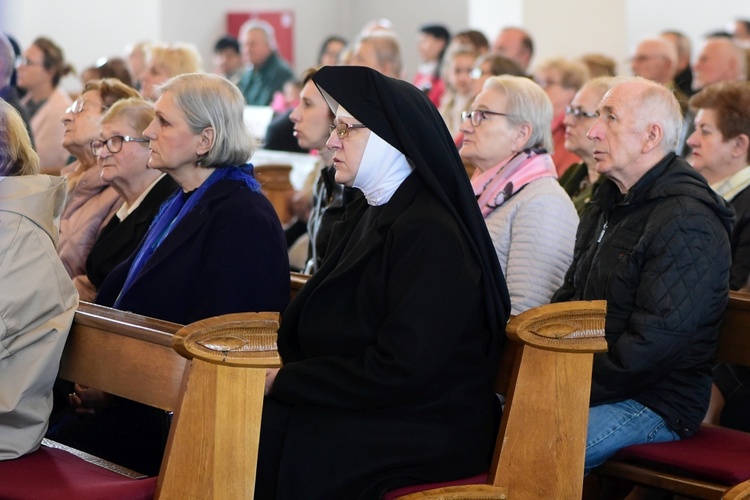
(720, 60)
(655, 59)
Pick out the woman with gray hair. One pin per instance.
(530, 218)
(217, 245)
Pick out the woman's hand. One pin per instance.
(270, 378)
(87, 399)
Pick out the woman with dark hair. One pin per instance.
(312, 120)
(433, 40)
(390, 348)
(330, 50)
(39, 73)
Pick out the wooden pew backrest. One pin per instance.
(124, 354)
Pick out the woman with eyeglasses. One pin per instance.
(530, 218)
(581, 180)
(123, 154)
(459, 92)
(312, 120)
(561, 78)
(39, 72)
(91, 201)
(389, 349)
(215, 247)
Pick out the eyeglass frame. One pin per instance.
(342, 129)
(578, 113)
(478, 72)
(469, 115)
(106, 142)
(25, 61)
(76, 107)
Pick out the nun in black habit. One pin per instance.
(389, 350)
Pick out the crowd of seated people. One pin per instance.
(536, 182)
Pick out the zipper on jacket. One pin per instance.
(604, 230)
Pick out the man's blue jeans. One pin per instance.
(615, 426)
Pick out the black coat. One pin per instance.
(387, 367)
(119, 239)
(740, 240)
(660, 256)
(227, 255)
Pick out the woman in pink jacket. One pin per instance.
(91, 201)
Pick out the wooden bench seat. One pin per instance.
(715, 463)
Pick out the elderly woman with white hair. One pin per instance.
(531, 219)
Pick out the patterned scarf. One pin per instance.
(499, 183)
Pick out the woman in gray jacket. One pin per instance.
(530, 218)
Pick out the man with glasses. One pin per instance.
(582, 180)
(561, 78)
(653, 242)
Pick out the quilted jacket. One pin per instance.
(660, 255)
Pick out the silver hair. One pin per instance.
(215, 102)
(265, 27)
(527, 103)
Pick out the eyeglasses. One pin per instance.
(478, 116)
(77, 106)
(342, 129)
(547, 83)
(23, 61)
(644, 57)
(477, 73)
(114, 144)
(578, 113)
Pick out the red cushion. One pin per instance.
(53, 473)
(391, 495)
(713, 454)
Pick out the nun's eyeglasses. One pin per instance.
(342, 129)
(478, 116)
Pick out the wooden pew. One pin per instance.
(688, 467)
(540, 447)
(297, 281)
(275, 183)
(212, 379)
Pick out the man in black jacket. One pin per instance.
(654, 242)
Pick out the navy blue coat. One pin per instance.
(227, 255)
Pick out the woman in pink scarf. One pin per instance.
(530, 218)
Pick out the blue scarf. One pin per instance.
(174, 210)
